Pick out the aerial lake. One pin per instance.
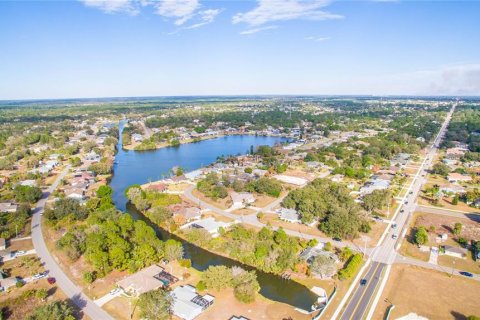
(138, 167)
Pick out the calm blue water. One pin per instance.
(140, 167)
(134, 167)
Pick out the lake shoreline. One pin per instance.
(131, 147)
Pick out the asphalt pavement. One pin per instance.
(72, 291)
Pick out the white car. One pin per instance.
(20, 253)
(115, 291)
(40, 275)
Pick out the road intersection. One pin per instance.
(384, 255)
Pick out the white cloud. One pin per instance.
(113, 6)
(255, 30)
(181, 10)
(317, 39)
(455, 80)
(206, 17)
(283, 10)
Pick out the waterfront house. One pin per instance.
(210, 224)
(142, 281)
(188, 304)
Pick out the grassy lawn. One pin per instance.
(429, 293)
(411, 250)
(467, 264)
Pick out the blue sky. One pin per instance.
(74, 49)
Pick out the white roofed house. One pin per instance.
(92, 156)
(241, 199)
(289, 215)
(8, 207)
(137, 137)
(189, 213)
(188, 304)
(29, 183)
(458, 177)
(209, 224)
(75, 193)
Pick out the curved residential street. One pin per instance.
(71, 290)
(253, 220)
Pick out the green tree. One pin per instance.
(27, 194)
(104, 191)
(155, 305)
(217, 277)
(173, 250)
(57, 310)
(440, 168)
(89, 277)
(323, 265)
(457, 229)
(421, 236)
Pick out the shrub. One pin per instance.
(351, 267)
(186, 263)
(201, 286)
(89, 277)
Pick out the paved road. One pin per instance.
(253, 221)
(385, 253)
(71, 290)
(474, 216)
(448, 270)
(356, 308)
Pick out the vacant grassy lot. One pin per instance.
(428, 293)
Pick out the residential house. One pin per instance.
(144, 280)
(8, 207)
(188, 304)
(289, 215)
(159, 187)
(137, 137)
(241, 199)
(190, 213)
(297, 181)
(400, 160)
(29, 183)
(454, 153)
(455, 252)
(209, 224)
(74, 193)
(458, 177)
(92, 156)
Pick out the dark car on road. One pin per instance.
(363, 282)
(51, 280)
(466, 274)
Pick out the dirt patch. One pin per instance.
(429, 293)
(219, 203)
(17, 306)
(24, 245)
(263, 200)
(445, 224)
(244, 211)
